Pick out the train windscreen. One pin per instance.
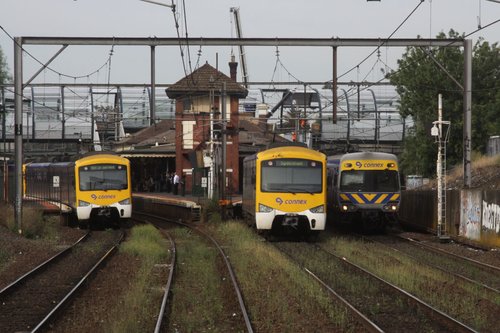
(369, 181)
(103, 177)
(291, 175)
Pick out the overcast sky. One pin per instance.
(212, 18)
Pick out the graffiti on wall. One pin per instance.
(470, 214)
(491, 217)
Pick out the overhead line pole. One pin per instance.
(18, 131)
(152, 101)
(467, 136)
(334, 85)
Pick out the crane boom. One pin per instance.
(244, 72)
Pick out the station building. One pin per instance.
(190, 144)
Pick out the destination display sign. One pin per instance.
(103, 167)
(292, 163)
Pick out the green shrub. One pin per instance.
(33, 225)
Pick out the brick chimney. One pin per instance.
(233, 69)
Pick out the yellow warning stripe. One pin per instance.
(381, 198)
(358, 198)
(395, 196)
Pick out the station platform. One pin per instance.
(185, 201)
(48, 207)
(170, 199)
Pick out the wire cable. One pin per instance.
(50, 68)
(383, 42)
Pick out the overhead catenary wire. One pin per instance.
(50, 68)
(382, 42)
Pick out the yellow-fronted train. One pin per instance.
(284, 189)
(94, 189)
(363, 189)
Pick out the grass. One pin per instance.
(34, 224)
(430, 285)
(478, 162)
(198, 302)
(280, 296)
(139, 307)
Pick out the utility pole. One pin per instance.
(467, 139)
(210, 178)
(224, 143)
(304, 120)
(437, 132)
(18, 131)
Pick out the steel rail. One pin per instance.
(59, 305)
(441, 251)
(12, 286)
(362, 319)
(449, 321)
(226, 260)
(457, 275)
(365, 321)
(169, 281)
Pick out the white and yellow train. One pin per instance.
(364, 187)
(96, 187)
(285, 188)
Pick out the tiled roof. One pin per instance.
(199, 82)
(252, 137)
(162, 132)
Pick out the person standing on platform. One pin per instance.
(176, 183)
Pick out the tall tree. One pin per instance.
(419, 80)
(485, 93)
(4, 71)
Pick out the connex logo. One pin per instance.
(279, 201)
(358, 164)
(93, 196)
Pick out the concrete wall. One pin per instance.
(470, 214)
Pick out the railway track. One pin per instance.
(379, 305)
(33, 300)
(160, 223)
(478, 273)
(173, 257)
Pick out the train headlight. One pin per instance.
(391, 207)
(264, 209)
(125, 202)
(82, 203)
(344, 208)
(318, 209)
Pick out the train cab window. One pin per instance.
(292, 175)
(103, 177)
(369, 180)
(387, 181)
(352, 181)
